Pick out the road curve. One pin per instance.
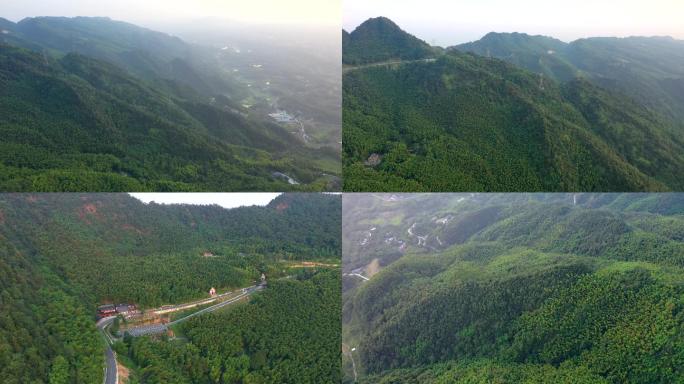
(111, 373)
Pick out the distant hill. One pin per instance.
(461, 217)
(539, 54)
(465, 122)
(647, 69)
(145, 53)
(380, 39)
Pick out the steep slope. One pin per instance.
(469, 123)
(647, 69)
(81, 124)
(566, 288)
(144, 53)
(44, 332)
(380, 39)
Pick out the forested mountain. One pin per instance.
(464, 122)
(93, 104)
(647, 69)
(64, 254)
(470, 288)
(380, 39)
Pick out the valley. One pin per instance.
(95, 104)
(168, 282)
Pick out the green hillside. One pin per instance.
(647, 69)
(564, 288)
(540, 54)
(62, 255)
(79, 124)
(467, 123)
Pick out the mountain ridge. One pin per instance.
(622, 64)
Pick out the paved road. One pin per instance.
(110, 375)
(248, 291)
(386, 64)
(356, 275)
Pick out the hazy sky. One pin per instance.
(449, 22)
(153, 11)
(226, 200)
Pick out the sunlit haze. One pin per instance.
(226, 200)
(444, 23)
(154, 11)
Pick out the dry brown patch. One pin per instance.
(373, 267)
(122, 373)
(90, 208)
(312, 264)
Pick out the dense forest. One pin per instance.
(565, 288)
(64, 254)
(92, 104)
(464, 122)
(289, 333)
(46, 334)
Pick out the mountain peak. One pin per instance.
(380, 23)
(380, 39)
